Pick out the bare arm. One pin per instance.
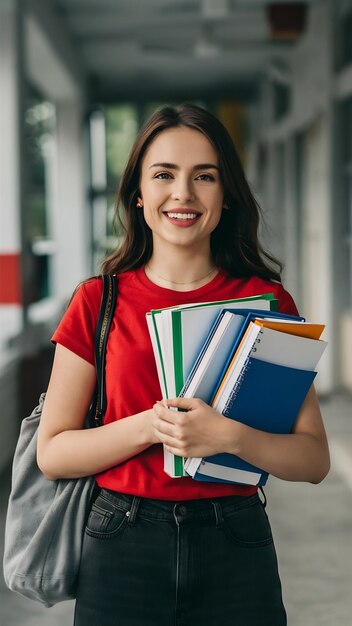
(65, 448)
(300, 456)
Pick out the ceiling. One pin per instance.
(157, 49)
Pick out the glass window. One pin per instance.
(348, 188)
(121, 130)
(39, 129)
(343, 39)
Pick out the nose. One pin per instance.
(182, 190)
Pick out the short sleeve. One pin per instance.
(76, 330)
(286, 302)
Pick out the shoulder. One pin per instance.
(87, 294)
(256, 285)
(76, 330)
(286, 301)
(90, 289)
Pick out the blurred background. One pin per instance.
(77, 79)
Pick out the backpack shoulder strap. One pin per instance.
(106, 314)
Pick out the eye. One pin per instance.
(162, 176)
(206, 177)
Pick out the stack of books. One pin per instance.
(245, 359)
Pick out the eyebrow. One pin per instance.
(173, 166)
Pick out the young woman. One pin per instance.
(159, 550)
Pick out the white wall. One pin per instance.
(316, 260)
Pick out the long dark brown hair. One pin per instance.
(234, 243)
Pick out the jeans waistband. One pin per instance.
(181, 511)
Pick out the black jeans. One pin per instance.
(159, 563)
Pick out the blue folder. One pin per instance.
(267, 397)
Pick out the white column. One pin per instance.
(98, 177)
(70, 218)
(316, 245)
(10, 171)
(291, 221)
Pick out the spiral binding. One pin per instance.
(246, 365)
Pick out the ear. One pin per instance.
(225, 204)
(139, 203)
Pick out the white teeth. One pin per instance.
(182, 216)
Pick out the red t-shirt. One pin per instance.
(131, 377)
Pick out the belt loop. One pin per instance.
(133, 510)
(264, 500)
(218, 512)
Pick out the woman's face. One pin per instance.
(181, 189)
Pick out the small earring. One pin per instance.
(139, 205)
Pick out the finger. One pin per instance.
(162, 402)
(168, 438)
(164, 428)
(184, 404)
(171, 443)
(165, 414)
(175, 451)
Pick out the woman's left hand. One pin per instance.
(196, 430)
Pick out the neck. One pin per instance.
(182, 274)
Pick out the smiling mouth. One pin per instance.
(181, 216)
